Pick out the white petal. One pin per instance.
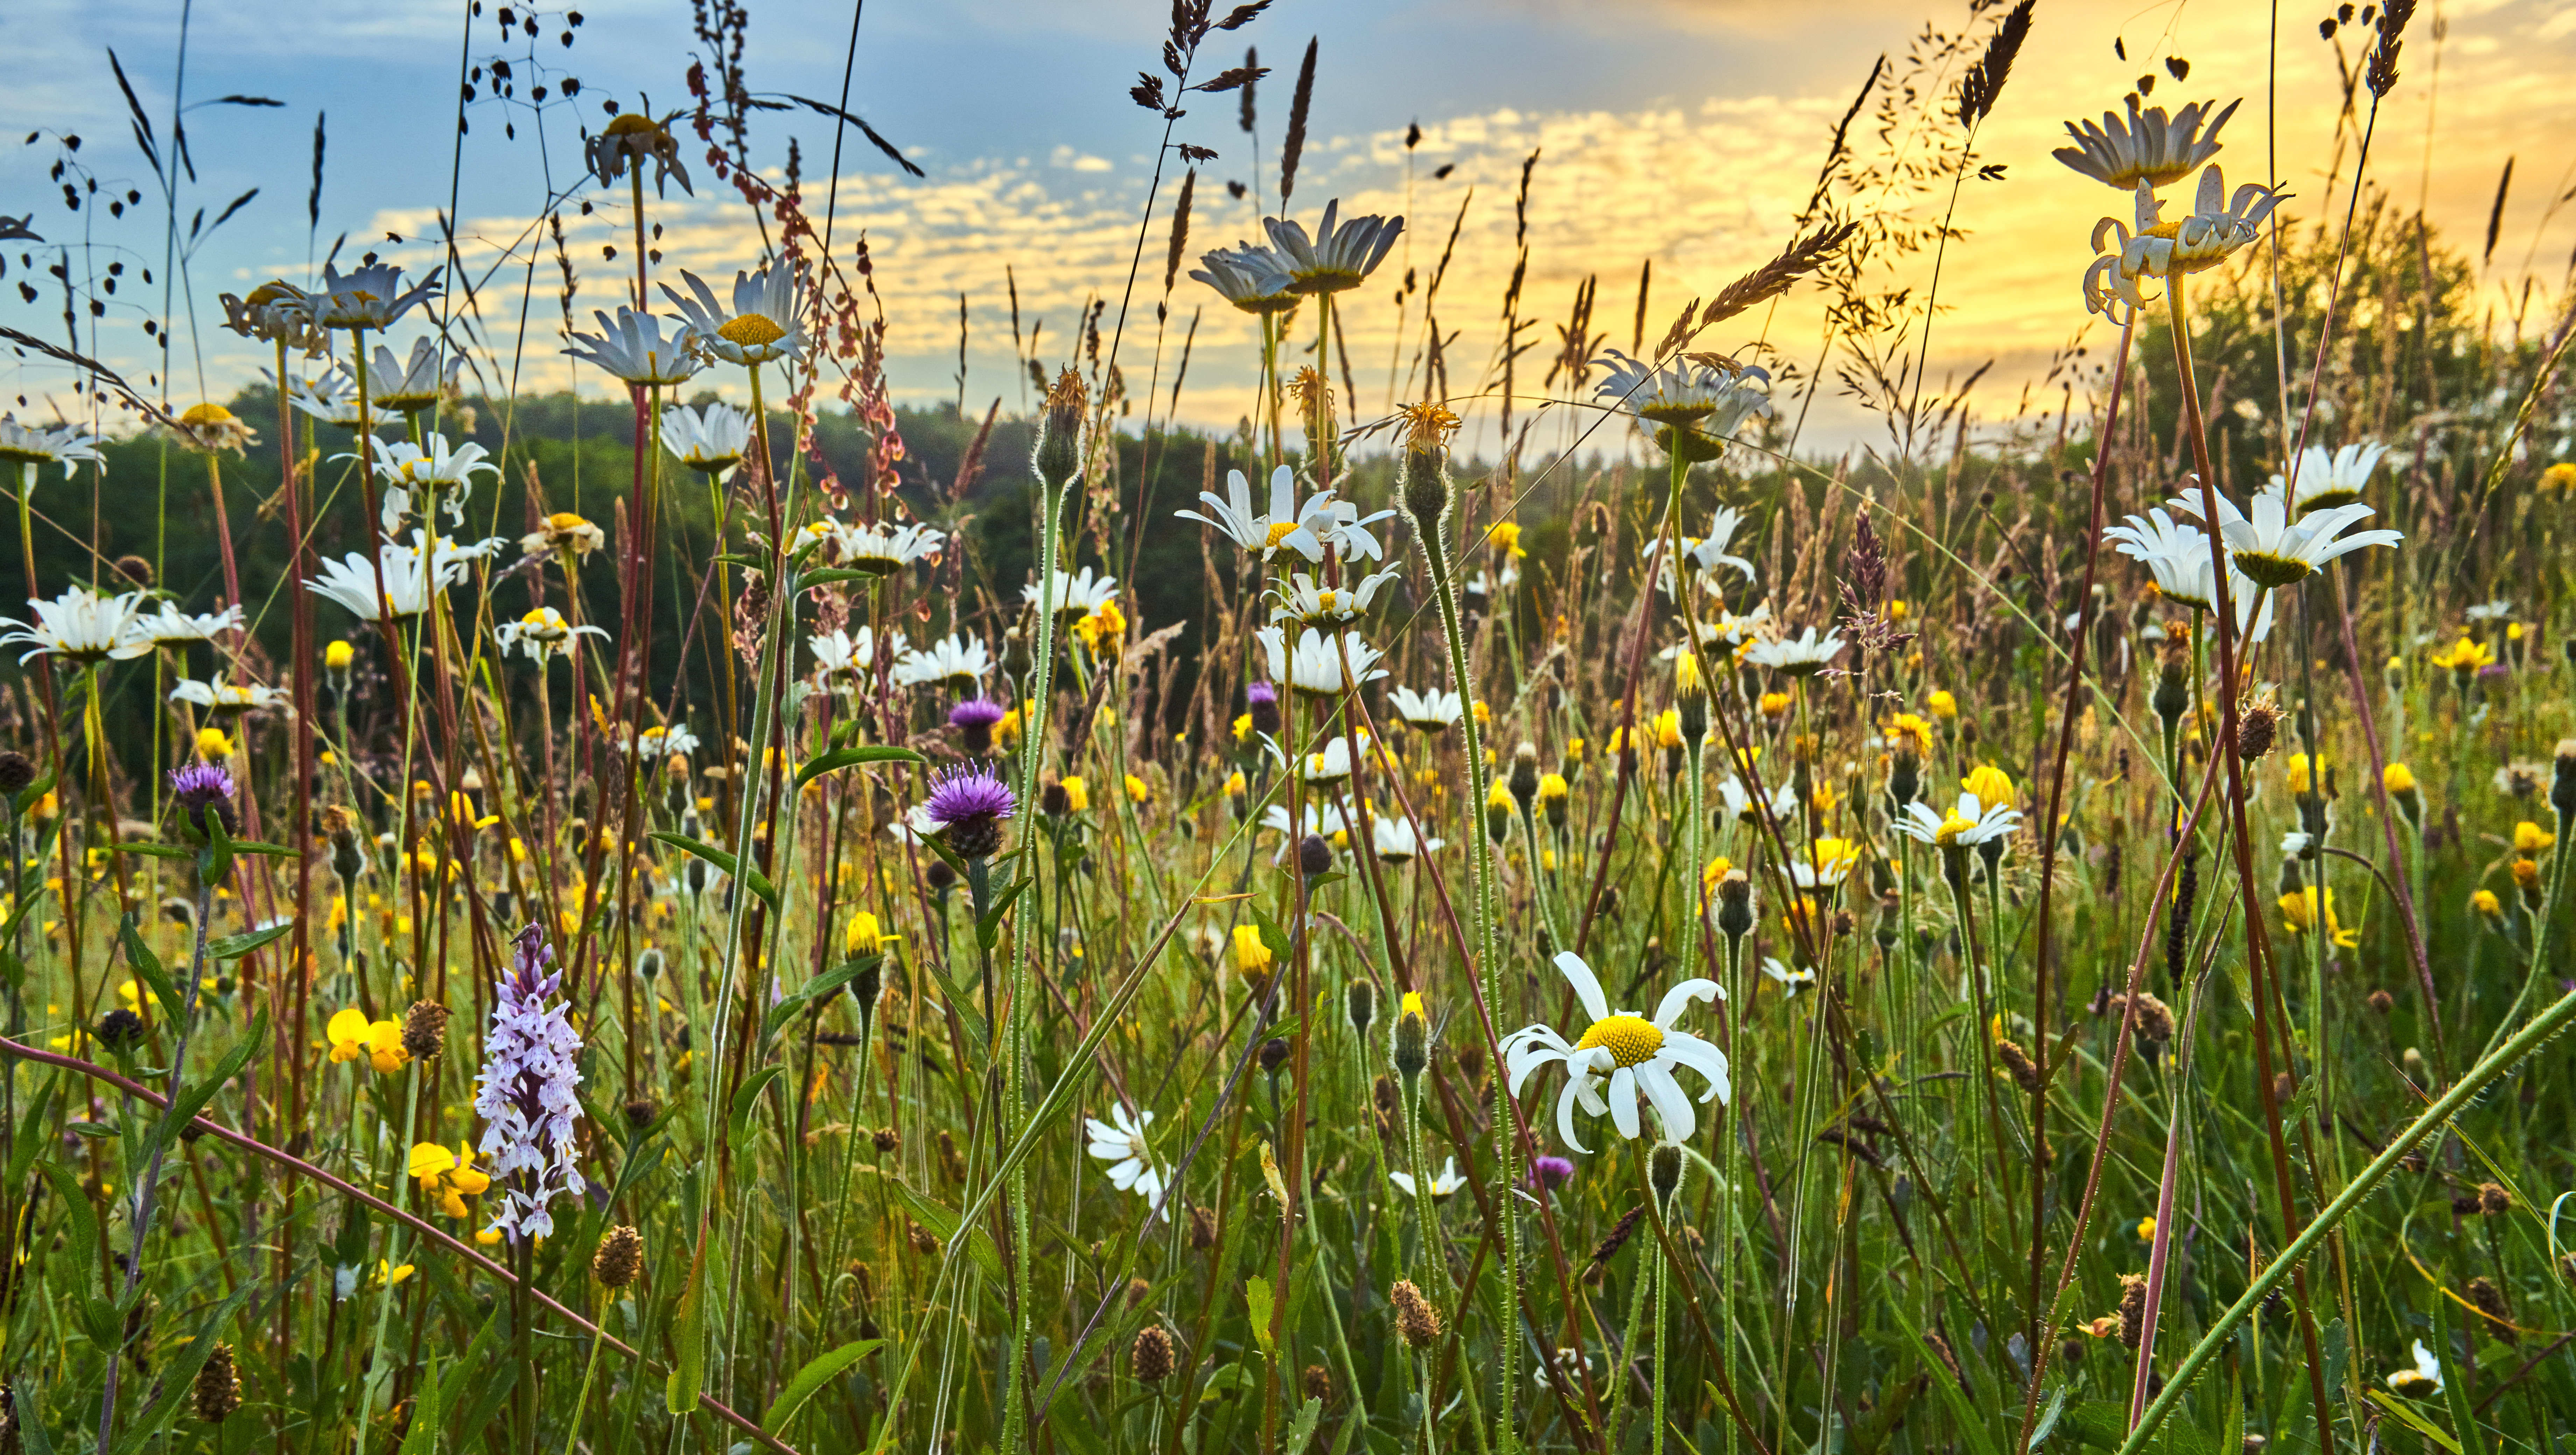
(1623, 1102)
(1679, 998)
(1587, 986)
(1672, 1108)
(1565, 1100)
(1700, 1056)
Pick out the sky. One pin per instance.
(1685, 132)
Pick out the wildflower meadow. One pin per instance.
(1499, 898)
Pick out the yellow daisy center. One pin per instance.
(1279, 531)
(2267, 569)
(1632, 1040)
(1951, 828)
(751, 331)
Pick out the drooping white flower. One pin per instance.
(82, 626)
(1783, 800)
(411, 574)
(957, 660)
(2421, 1382)
(710, 441)
(1307, 528)
(1444, 1184)
(844, 661)
(230, 696)
(372, 297)
(675, 741)
(1627, 1054)
(330, 396)
(2324, 481)
(170, 627)
(1791, 981)
(880, 549)
(2115, 285)
(1339, 256)
(1324, 821)
(1249, 276)
(2148, 147)
(631, 346)
(1120, 1143)
(408, 386)
(443, 470)
(764, 323)
(1433, 712)
(1079, 594)
(1683, 393)
(542, 633)
(1803, 655)
(1300, 600)
(1316, 664)
(31, 447)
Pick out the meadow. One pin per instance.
(1544, 915)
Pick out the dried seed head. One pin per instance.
(2493, 1200)
(217, 1393)
(887, 1141)
(2257, 729)
(2382, 1002)
(1202, 1230)
(17, 770)
(121, 1030)
(424, 1031)
(619, 1259)
(1416, 1321)
(641, 1111)
(1317, 1383)
(1138, 1290)
(2025, 1072)
(1618, 1238)
(2133, 1310)
(1150, 1357)
(1058, 456)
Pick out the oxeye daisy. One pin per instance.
(2148, 146)
(1395, 842)
(1316, 666)
(1443, 1184)
(542, 633)
(1339, 256)
(2325, 480)
(30, 448)
(229, 696)
(1433, 712)
(1120, 1142)
(1249, 276)
(1969, 823)
(372, 297)
(709, 441)
(879, 549)
(1300, 600)
(1076, 595)
(956, 661)
(83, 626)
(2177, 556)
(330, 396)
(632, 347)
(1803, 655)
(2273, 550)
(170, 627)
(1626, 1055)
(764, 323)
(410, 385)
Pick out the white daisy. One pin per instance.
(1339, 256)
(763, 324)
(2497, 610)
(2148, 147)
(445, 471)
(1249, 276)
(958, 660)
(372, 297)
(1079, 594)
(83, 626)
(2275, 551)
(1306, 528)
(170, 627)
(1637, 1056)
(1682, 393)
(330, 396)
(1791, 981)
(673, 741)
(1120, 1142)
(1315, 666)
(1965, 826)
(1739, 803)
(230, 696)
(843, 661)
(711, 441)
(31, 448)
(408, 581)
(1431, 712)
(1444, 1184)
(2422, 1381)
(632, 347)
(1323, 821)
(1803, 655)
(1299, 599)
(400, 386)
(2324, 481)
(2114, 285)
(542, 633)
(1395, 841)
(2178, 557)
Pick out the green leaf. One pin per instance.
(747, 1098)
(2408, 1416)
(233, 947)
(34, 793)
(148, 969)
(834, 576)
(841, 758)
(215, 861)
(1303, 1430)
(809, 1381)
(76, 1208)
(738, 558)
(1972, 1425)
(191, 1100)
(274, 851)
(752, 879)
(1256, 1297)
(31, 1412)
(157, 851)
(688, 1369)
(422, 1438)
(943, 1223)
(988, 927)
(2455, 1390)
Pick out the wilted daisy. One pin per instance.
(82, 626)
(2217, 226)
(1299, 599)
(2277, 551)
(2148, 147)
(212, 427)
(445, 471)
(709, 441)
(274, 313)
(330, 396)
(631, 346)
(1637, 1057)
(1432, 712)
(1444, 1184)
(880, 549)
(1969, 823)
(1315, 666)
(372, 297)
(1803, 655)
(229, 696)
(31, 448)
(542, 633)
(2324, 481)
(634, 137)
(1079, 594)
(958, 661)
(1339, 256)
(1323, 821)
(1249, 276)
(1120, 1142)
(563, 534)
(762, 325)
(411, 574)
(408, 386)
(170, 627)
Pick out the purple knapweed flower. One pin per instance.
(1261, 704)
(970, 804)
(527, 1098)
(974, 719)
(198, 787)
(1550, 1172)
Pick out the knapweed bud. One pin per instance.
(2562, 786)
(1058, 456)
(1261, 703)
(424, 1029)
(1664, 1173)
(1150, 1357)
(1273, 1055)
(136, 571)
(1734, 904)
(1314, 856)
(121, 1030)
(217, 1392)
(1416, 1321)
(1360, 1004)
(1424, 489)
(2133, 1310)
(1412, 1046)
(619, 1259)
(1523, 781)
(17, 770)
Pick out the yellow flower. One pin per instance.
(2531, 838)
(1551, 787)
(1242, 728)
(1775, 704)
(351, 1035)
(1500, 797)
(1897, 610)
(451, 1177)
(1716, 869)
(1138, 791)
(2465, 657)
(1235, 786)
(1668, 729)
(1007, 731)
(1991, 784)
(1484, 714)
(1077, 796)
(338, 656)
(1505, 536)
(1832, 855)
(2147, 1229)
(1412, 1004)
(390, 1274)
(2299, 916)
(864, 936)
(1686, 679)
(2298, 771)
(212, 745)
(2397, 778)
(1941, 705)
(2513, 631)
(1905, 729)
(1249, 951)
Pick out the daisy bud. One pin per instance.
(218, 1391)
(1664, 1173)
(1151, 1356)
(1058, 456)
(619, 1259)
(1412, 1048)
(1360, 1004)
(2173, 687)
(1416, 1321)
(1424, 486)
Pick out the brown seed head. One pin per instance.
(1415, 1319)
(2133, 1309)
(1138, 1290)
(424, 1032)
(619, 1259)
(1317, 1382)
(1202, 1230)
(1151, 1355)
(2257, 729)
(218, 1390)
(2493, 1200)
